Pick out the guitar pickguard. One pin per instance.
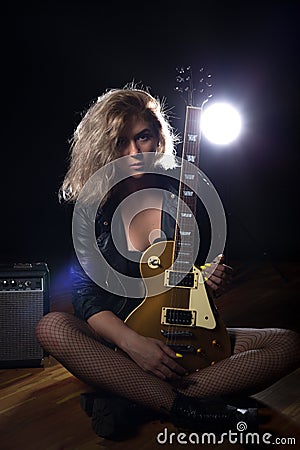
(199, 302)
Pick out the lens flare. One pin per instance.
(221, 123)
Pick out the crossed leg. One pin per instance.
(259, 358)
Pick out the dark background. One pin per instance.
(58, 57)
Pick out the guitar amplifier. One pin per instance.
(24, 300)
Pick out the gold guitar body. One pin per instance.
(184, 318)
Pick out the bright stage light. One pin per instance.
(220, 123)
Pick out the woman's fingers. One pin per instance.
(216, 274)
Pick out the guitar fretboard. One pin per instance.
(184, 254)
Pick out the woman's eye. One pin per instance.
(120, 142)
(144, 137)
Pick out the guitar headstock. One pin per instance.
(195, 92)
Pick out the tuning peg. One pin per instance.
(188, 90)
(209, 82)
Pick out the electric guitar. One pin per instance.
(177, 308)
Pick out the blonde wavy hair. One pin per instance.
(93, 144)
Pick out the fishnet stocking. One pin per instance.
(78, 348)
(260, 357)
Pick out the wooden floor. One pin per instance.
(40, 409)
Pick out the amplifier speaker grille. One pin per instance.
(24, 299)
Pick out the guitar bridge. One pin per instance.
(181, 279)
(178, 316)
(183, 348)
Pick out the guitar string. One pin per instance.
(192, 116)
(176, 262)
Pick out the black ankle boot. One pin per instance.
(210, 415)
(87, 402)
(114, 418)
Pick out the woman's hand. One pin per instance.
(217, 275)
(154, 357)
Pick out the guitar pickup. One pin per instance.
(176, 333)
(181, 279)
(178, 316)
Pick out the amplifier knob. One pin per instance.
(27, 283)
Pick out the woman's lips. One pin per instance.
(136, 166)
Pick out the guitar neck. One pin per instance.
(184, 249)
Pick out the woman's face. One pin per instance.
(137, 140)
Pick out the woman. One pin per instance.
(127, 133)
